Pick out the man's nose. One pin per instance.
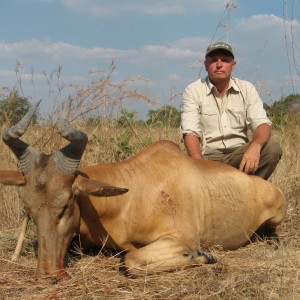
(219, 63)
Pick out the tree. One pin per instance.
(165, 116)
(13, 108)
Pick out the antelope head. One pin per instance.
(50, 183)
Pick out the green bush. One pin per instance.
(282, 110)
(13, 108)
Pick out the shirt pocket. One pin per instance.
(209, 117)
(237, 116)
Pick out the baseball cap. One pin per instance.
(219, 46)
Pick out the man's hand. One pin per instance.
(250, 160)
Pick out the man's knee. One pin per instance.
(270, 156)
(272, 152)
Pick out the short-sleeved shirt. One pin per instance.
(221, 123)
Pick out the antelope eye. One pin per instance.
(60, 216)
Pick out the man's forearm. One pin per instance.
(261, 135)
(193, 146)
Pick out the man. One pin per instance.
(217, 113)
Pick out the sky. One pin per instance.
(161, 40)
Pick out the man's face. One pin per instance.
(219, 66)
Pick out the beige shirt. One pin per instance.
(221, 123)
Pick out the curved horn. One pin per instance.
(11, 137)
(68, 158)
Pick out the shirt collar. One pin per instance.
(232, 85)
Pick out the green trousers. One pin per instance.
(269, 158)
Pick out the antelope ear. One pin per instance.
(96, 188)
(12, 178)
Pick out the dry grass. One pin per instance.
(257, 271)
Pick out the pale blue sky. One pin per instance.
(163, 40)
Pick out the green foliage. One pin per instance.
(93, 121)
(127, 118)
(167, 116)
(13, 108)
(123, 145)
(282, 110)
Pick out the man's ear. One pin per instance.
(205, 65)
(233, 65)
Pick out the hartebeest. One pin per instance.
(168, 208)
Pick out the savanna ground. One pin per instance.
(259, 270)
